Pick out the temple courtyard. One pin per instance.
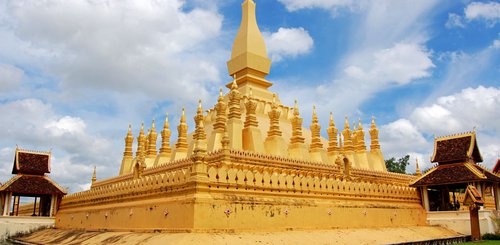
(334, 236)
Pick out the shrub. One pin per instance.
(491, 236)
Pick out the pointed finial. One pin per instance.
(373, 122)
(296, 108)
(200, 109)
(332, 123)
(142, 127)
(346, 123)
(417, 168)
(183, 115)
(166, 119)
(153, 125)
(360, 126)
(314, 115)
(354, 125)
(94, 175)
(130, 127)
(221, 97)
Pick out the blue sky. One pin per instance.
(74, 74)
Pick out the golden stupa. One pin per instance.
(249, 164)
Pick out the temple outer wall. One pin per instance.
(230, 212)
(239, 191)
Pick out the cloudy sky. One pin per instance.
(74, 74)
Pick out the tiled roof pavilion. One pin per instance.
(30, 169)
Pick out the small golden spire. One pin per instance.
(165, 137)
(234, 102)
(221, 117)
(199, 133)
(274, 119)
(183, 115)
(315, 132)
(374, 135)
(296, 112)
(314, 115)
(251, 106)
(129, 140)
(346, 123)
(417, 168)
(333, 144)
(221, 97)
(354, 126)
(182, 129)
(296, 126)
(94, 176)
(200, 109)
(360, 126)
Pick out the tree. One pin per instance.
(398, 166)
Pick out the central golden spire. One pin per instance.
(249, 61)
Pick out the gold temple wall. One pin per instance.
(244, 191)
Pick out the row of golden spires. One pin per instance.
(347, 140)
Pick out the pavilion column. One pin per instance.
(2, 202)
(6, 204)
(53, 203)
(496, 193)
(425, 198)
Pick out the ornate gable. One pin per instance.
(456, 148)
(31, 162)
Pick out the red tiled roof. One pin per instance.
(456, 148)
(496, 169)
(491, 176)
(31, 163)
(448, 174)
(32, 185)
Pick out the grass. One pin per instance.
(482, 242)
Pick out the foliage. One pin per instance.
(397, 166)
(491, 236)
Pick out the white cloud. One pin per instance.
(377, 57)
(402, 136)
(472, 107)
(400, 64)
(293, 5)
(496, 44)
(490, 12)
(116, 45)
(35, 125)
(288, 42)
(10, 77)
(454, 20)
